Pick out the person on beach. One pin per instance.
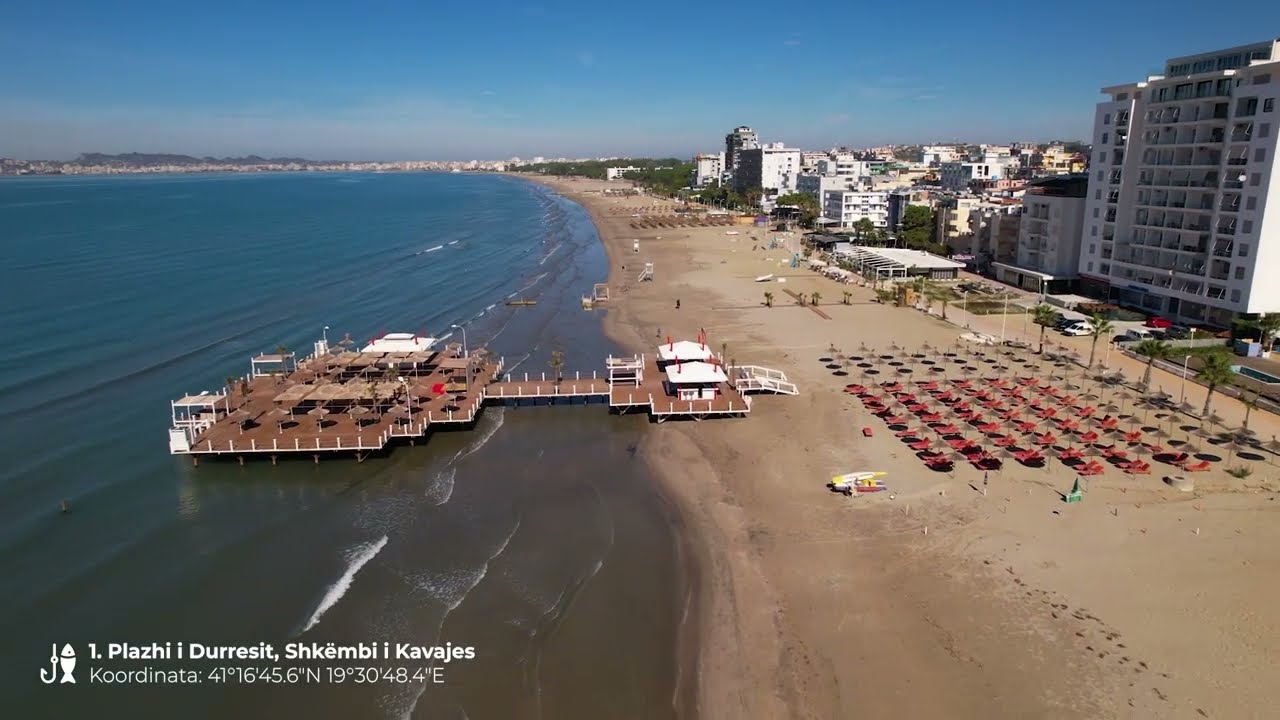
(677, 303)
(984, 479)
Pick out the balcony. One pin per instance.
(1227, 230)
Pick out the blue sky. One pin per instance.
(455, 80)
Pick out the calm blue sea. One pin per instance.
(535, 537)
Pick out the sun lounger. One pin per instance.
(1137, 467)
(866, 432)
(1201, 466)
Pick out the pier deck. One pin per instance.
(359, 402)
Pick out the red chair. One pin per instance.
(1201, 466)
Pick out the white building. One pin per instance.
(1048, 251)
(774, 168)
(616, 173)
(936, 155)
(958, 175)
(708, 169)
(1181, 220)
(844, 208)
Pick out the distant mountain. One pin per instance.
(145, 159)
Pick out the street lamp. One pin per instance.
(408, 397)
(464, 339)
(324, 335)
(465, 354)
(1106, 359)
(1182, 396)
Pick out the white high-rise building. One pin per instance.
(1183, 213)
(772, 168)
(708, 169)
(844, 208)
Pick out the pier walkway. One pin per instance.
(360, 402)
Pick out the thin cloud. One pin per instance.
(586, 59)
(488, 92)
(792, 42)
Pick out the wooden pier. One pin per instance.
(361, 402)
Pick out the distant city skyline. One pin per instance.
(466, 81)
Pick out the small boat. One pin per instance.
(522, 303)
(860, 482)
(765, 278)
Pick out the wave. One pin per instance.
(442, 489)
(357, 557)
(483, 436)
(430, 249)
(452, 242)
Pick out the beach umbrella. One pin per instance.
(239, 416)
(1273, 446)
(1214, 419)
(1235, 443)
(318, 413)
(281, 415)
(358, 411)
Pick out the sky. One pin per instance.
(452, 80)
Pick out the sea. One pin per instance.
(536, 538)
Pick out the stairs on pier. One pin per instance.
(756, 378)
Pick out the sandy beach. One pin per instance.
(944, 600)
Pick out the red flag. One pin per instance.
(671, 344)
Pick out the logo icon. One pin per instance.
(67, 661)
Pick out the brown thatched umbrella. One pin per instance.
(318, 413)
(1274, 447)
(358, 412)
(281, 416)
(239, 416)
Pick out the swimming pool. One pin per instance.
(1255, 374)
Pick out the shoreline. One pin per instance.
(952, 600)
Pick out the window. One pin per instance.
(1106, 120)
(1260, 155)
(1239, 272)
(1251, 202)
(1089, 267)
(1097, 194)
(1093, 249)
(1264, 130)
(1093, 231)
(1242, 250)
(1262, 79)
(1122, 96)
(1246, 106)
(1104, 137)
(1255, 180)
(1100, 176)
(1246, 227)
(1095, 213)
(1235, 296)
(1268, 105)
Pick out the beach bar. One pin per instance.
(399, 387)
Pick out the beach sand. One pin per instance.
(942, 601)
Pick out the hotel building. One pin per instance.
(1183, 205)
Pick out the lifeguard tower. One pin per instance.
(646, 275)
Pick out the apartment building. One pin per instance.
(708, 169)
(898, 202)
(845, 208)
(956, 176)
(774, 168)
(951, 217)
(994, 232)
(1182, 213)
(741, 138)
(1048, 248)
(936, 155)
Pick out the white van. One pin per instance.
(1134, 335)
(1079, 327)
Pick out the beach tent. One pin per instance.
(683, 350)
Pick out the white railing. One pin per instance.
(759, 371)
(557, 389)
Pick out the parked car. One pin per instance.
(1158, 323)
(1077, 328)
(1134, 335)
(1177, 332)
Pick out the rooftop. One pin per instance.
(906, 259)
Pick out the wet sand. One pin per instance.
(812, 605)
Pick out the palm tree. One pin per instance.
(1044, 316)
(231, 383)
(848, 298)
(1250, 402)
(814, 297)
(1215, 370)
(768, 299)
(1152, 349)
(557, 364)
(1268, 324)
(942, 294)
(1100, 326)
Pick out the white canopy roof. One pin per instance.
(683, 350)
(694, 372)
(399, 342)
